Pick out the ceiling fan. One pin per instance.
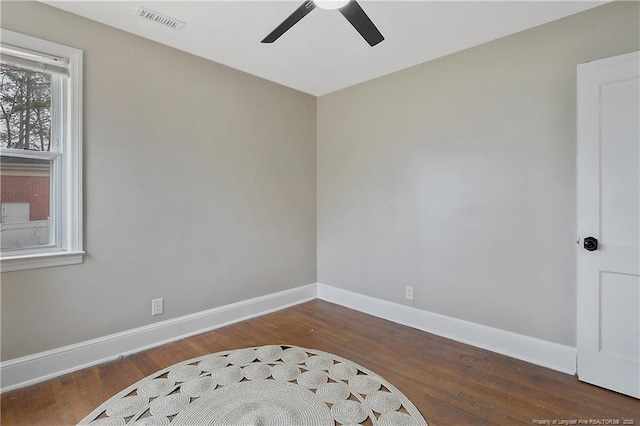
(350, 9)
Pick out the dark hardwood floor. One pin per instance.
(450, 383)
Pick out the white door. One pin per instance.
(609, 212)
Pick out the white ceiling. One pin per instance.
(323, 53)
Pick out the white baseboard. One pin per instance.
(28, 370)
(42, 366)
(537, 351)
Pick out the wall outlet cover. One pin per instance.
(157, 306)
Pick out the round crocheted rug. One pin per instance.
(266, 385)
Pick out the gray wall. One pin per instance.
(200, 187)
(457, 177)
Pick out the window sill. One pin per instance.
(44, 260)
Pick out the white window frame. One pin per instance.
(66, 180)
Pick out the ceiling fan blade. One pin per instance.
(297, 15)
(361, 22)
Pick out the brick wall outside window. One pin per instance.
(27, 189)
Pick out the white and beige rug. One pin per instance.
(267, 385)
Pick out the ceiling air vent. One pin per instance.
(165, 20)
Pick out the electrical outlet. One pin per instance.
(408, 292)
(157, 306)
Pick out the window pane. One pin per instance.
(25, 201)
(25, 97)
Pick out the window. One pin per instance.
(40, 153)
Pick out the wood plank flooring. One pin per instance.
(449, 382)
